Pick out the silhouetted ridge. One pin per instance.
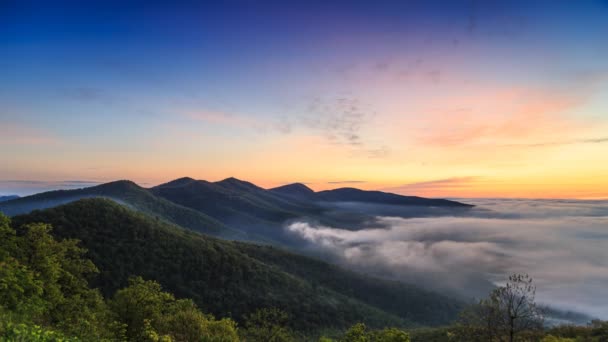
(237, 184)
(297, 190)
(8, 198)
(178, 182)
(379, 197)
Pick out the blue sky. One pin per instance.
(389, 93)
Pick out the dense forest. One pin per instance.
(231, 278)
(96, 270)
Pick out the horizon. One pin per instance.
(441, 99)
(24, 188)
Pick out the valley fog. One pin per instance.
(562, 244)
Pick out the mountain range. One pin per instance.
(223, 245)
(229, 278)
(239, 210)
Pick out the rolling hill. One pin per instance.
(8, 198)
(130, 194)
(239, 210)
(230, 278)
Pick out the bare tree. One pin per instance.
(509, 314)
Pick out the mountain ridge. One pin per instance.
(236, 278)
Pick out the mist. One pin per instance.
(562, 244)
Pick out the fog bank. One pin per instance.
(562, 244)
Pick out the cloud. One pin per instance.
(347, 182)
(28, 187)
(510, 116)
(561, 244)
(438, 185)
(340, 119)
(565, 142)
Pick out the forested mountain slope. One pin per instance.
(233, 279)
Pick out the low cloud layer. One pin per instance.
(30, 187)
(561, 244)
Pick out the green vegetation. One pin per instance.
(53, 289)
(45, 296)
(231, 279)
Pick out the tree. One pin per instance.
(359, 333)
(391, 335)
(599, 330)
(44, 281)
(151, 314)
(356, 333)
(509, 313)
(268, 324)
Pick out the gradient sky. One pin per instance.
(433, 98)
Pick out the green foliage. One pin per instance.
(390, 335)
(268, 324)
(230, 279)
(403, 300)
(10, 332)
(360, 333)
(357, 333)
(151, 314)
(45, 281)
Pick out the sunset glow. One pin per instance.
(478, 99)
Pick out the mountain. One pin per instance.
(8, 198)
(298, 190)
(130, 194)
(230, 278)
(295, 190)
(240, 210)
(238, 204)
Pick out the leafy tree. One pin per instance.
(151, 314)
(390, 335)
(360, 333)
(268, 324)
(356, 333)
(44, 280)
(599, 330)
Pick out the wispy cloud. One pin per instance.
(435, 186)
(564, 142)
(339, 119)
(28, 187)
(347, 182)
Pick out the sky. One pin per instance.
(431, 98)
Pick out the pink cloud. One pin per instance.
(502, 116)
(436, 186)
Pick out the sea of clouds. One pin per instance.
(562, 244)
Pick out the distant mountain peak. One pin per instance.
(119, 184)
(237, 184)
(297, 187)
(178, 182)
(296, 190)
